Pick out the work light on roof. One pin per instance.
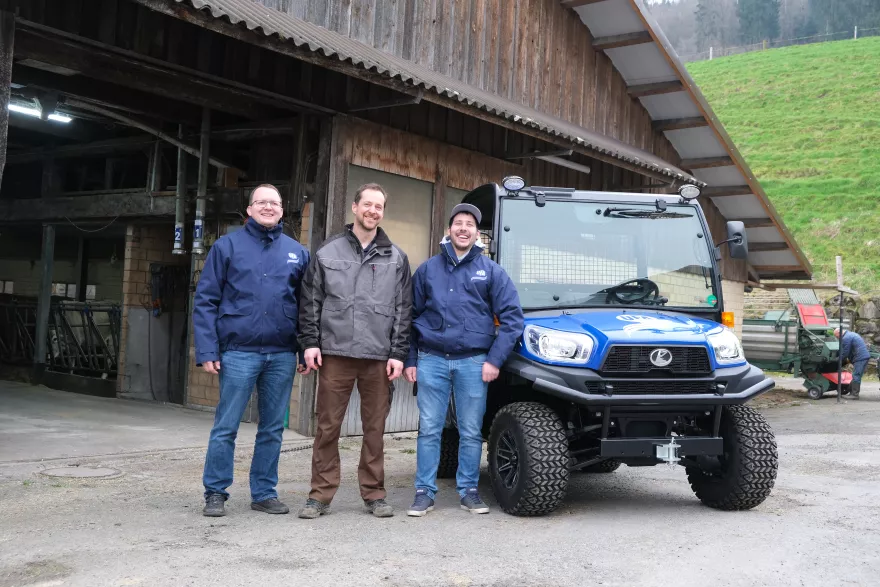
(689, 192)
(513, 183)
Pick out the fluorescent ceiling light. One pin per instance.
(564, 163)
(36, 113)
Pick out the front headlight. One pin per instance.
(727, 347)
(558, 346)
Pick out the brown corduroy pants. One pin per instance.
(336, 379)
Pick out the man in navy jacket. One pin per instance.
(245, 327)
(456, 297)
(854, 350)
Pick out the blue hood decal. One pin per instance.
(610, 326)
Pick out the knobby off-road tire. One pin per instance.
(448, 454)
(748, 466)
(608, 466)
(528, 459)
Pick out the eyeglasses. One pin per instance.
(264, 203)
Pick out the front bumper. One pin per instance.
(735, 385)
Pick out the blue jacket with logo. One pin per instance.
(853, 347)
(248, 293)
(455, 304)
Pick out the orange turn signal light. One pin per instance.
(727, 319)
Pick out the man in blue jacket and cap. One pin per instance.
(245, 326)
(457, 295)
(854, 350)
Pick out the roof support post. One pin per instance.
(7, 37)
(198, 247)
(47, 258)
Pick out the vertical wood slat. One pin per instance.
(363, 16)
(522, 62)
(476, 45)
(340, 17)
(507, 40)
(461, 18)
(490, 63)
(7, 48)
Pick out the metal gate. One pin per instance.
(403, 417)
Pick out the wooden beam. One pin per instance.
(779, 268)
(726, 190)
(533, 154)
(130, 69)
(579, 3)
(37, 82)
(679, 123)
(84, 149)
(707, 162)
(756, 222)
(148, 128)
(763, 247)
(7, 38)
(642, 90)
(99, 206)
(625, 40)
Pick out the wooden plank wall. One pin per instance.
(534, 52)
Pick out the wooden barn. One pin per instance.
(132, 130)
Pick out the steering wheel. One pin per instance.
(633, 291)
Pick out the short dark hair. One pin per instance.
(263, 185)
(369, 186)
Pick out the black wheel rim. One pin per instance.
(507, 460)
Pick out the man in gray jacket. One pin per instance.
(354, 319)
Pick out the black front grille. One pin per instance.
(637, 359)
(650, 387)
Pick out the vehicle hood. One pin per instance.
(610, 326)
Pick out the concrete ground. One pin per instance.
(637, 526)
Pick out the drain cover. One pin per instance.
(83, 472)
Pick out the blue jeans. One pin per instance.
(239, 372)
(437, 377)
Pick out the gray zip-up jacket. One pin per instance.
(357, 303)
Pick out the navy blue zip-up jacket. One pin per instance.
(248, 293)
(455, 304)
(853, 347)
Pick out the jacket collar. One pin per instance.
(259, 231)
(382, 242)
(451, 257)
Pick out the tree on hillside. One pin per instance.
(716, 23)
(758, 20)
(676, 20)
(832, 16)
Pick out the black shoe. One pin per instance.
(215, 506)
(379, 508)
(270, 506)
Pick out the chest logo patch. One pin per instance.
(479, 276)
(293, 258)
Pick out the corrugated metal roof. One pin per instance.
(269, 22)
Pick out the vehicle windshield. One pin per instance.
(574, 254)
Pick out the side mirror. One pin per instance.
(737, 240)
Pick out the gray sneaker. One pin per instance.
(314, 509)
(472, 502)
(422, 504)
(379, 508)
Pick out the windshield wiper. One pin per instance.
(634, 213)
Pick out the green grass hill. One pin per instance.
(807, 121)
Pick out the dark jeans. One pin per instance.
(239, 372)
(859, 370)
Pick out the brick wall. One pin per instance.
(144, 244)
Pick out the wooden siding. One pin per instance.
(534, 52)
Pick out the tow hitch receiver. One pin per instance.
(668, 453)
(665, 450)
